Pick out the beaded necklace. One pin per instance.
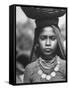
(46, 67)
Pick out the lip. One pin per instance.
(47, 49)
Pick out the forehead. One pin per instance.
(47, 31)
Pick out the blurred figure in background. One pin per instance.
(24, 42)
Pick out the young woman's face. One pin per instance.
(47, 41)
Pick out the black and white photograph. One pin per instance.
(40, 44)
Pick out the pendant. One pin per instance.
(53, 74)
(43, 75)
(58, 62)
(48, 77)
(56, 68)
(40, 72)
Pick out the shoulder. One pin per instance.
(32, 66)
(62, 61)
(62, 65)
(29, 70)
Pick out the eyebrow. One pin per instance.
(47, 35)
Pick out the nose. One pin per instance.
(48, 42)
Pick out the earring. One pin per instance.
(36, 46)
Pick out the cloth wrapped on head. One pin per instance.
(46, 22)
(44, 15)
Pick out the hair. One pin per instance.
(36, 50)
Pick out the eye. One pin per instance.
(52, 37)
(42, 37)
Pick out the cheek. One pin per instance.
(41, 44)
(54, 44)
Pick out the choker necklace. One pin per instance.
(48, 76)
(47, 65)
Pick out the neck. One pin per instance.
(48, 58)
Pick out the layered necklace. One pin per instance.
(45, 66)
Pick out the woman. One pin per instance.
(49, 64)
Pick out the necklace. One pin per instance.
(47, 65)
(48, 76)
